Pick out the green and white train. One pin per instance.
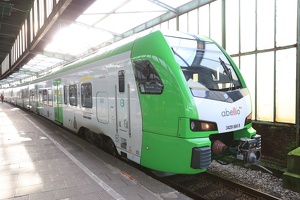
(168, 101)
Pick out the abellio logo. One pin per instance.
(234, 111)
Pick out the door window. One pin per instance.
(73, 95)
(86, 95)
(121, 75)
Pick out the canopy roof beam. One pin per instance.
(61, 56)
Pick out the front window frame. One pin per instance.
(204, 65)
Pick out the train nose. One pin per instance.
(245, 149)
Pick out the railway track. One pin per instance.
(206, 185)
(210, 186)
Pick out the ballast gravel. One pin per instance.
(254, 178)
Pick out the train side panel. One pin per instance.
(45, 99)
(115, 109)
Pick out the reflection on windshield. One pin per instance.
(203, 64)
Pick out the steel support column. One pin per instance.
(224, 24)
(298, 77)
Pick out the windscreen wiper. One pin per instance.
(227, 72)
(180, 57)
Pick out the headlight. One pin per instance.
(248, 119)
(196, 125)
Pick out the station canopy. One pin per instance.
(103, 23)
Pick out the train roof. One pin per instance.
(119, 47)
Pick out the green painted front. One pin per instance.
(167, 140)
(163, 147)
(170, 154)
(160, 113)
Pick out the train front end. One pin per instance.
(222, 101)
(195, 105)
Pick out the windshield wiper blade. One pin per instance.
(227, 72)
(180, 57)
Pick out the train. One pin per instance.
(167, 100)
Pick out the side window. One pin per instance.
(50, 97)
(121, 75)
(73, 95)
(32, 96)
(26, 94)
(86, 95)
(41, 96)
(147, 78)
(65, 95)
(45, 97)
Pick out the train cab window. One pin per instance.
(50, 97)
(147, 78)
(86, 95)
(65, 94)
(73, 95)
(121, 75)
(204, 65)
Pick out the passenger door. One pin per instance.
(58, 112)
(32, 99)
(102, 107)
(123, 107)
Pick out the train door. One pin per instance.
(37, 99)
(58, 112)
(123, 116)
(22, 97)
(102, 99)
(32, 99)
(26, 98)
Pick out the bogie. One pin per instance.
(111, 148)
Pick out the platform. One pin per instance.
(291, 178)
(40, 160)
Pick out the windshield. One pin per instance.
(203, 64)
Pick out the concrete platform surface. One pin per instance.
(42, 161)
